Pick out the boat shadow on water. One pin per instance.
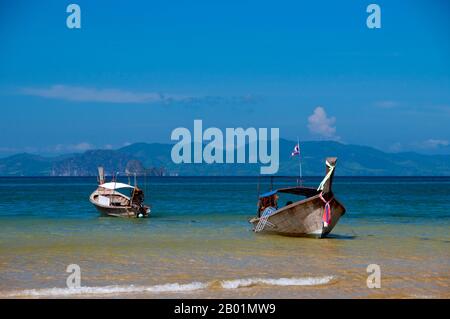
(329, 236)
(342, 237)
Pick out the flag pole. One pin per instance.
(299, 160)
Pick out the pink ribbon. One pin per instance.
(326, 211)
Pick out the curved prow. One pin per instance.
(326, 184)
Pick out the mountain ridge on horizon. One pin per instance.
(154, 159)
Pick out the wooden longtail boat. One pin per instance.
(314, 216)
(110, 202)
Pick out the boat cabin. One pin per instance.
(272, 198)
(118, 194)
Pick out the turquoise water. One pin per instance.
(198, 242)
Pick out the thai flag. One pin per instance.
(296, 150)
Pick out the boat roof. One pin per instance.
(296, 190)
(299, 190)
(114, 185)
(268, 194)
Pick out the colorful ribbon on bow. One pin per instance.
(326, 211)
(330, 171)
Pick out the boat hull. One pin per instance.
(129, 212)
(302, 219)
(118, 211)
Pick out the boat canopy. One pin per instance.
(113, 185)
(268, 194)
(299, 190)
(296, 190)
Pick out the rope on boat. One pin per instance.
(326, 211)
(322, 183)
(263, 220)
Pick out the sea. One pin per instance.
(198, 242)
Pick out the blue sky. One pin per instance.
(136, 70)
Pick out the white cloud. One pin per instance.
(396, 147)
(109, 95)
(430, 146)
(85, 94)
(79, 147)
(388, 104)
(7, 149)
(83, 146)
(54, 149)
(435, 143)
(320, 124)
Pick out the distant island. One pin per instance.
(154, 159)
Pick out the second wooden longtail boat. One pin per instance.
(314, 216)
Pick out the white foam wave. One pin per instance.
(308, 281)
(176, 287)
(169, 288)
